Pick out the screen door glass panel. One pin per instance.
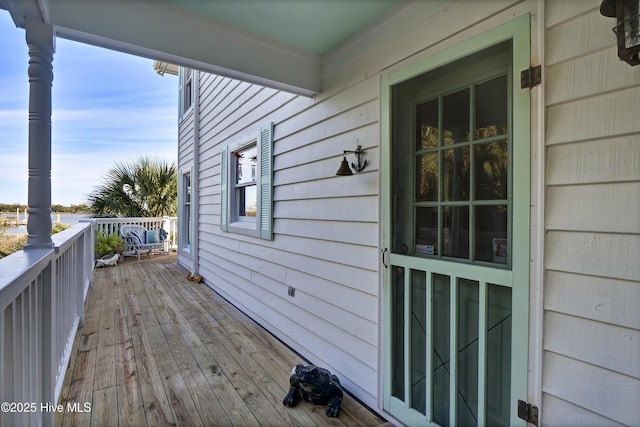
(461, 196)
(397, 332)
(499, 347)
(441, 342)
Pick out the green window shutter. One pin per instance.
(224, 189)
(265, 142)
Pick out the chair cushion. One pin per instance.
(137, 237)
(152, 236)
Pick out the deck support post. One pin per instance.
(41, 42)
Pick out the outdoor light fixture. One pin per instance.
(627, 30)
(345, 170)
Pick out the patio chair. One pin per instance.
(138, 240)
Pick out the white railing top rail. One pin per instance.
(23, 266)
(126, 220)
(18, 270)
(131, 220)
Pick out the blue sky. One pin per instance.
(108, 107)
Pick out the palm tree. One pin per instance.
(146, 188)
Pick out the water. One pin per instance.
(65, 218)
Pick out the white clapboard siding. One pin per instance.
(596, 254)
(600, 344)
(356, 117)
(610, 114)
(617, 209)
(580, 78)
(333, 318)
(311, 161)
(599, 390)
(602, 299)
(330, 105)
(274, 285)
(311, 282)
(333, 186)
(185, 136)
(361, 233)
(560, 413)
(566, 10)
(590, 32)
(599, 161)
(591, 331)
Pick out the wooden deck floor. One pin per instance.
(156, 349)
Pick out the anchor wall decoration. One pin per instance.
(344, 169)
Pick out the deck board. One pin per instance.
(157, 349)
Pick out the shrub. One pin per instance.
(10, 243)
(59, 227)
(107, 244)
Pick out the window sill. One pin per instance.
(244, 227)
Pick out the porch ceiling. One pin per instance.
(276, 43)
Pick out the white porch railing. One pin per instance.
(42, 293)
(167, 223)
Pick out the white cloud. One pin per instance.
(11, 117)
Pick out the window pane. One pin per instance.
(418, 340)
(491, 108)
(467, 352)
(427, 125)
(455, 233)
(246, 162)
(187, 185)
(440, 333)
(187, 224)
(427, 177)
(491, 234)
(499, 361)
(247, 200)
(397, 332)
(427, 231)
(491, 169)
(455, 116)
(456, 170)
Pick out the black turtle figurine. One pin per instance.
(315, 385)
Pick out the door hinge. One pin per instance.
(531, 77)
(528, 412)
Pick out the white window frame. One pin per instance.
(230, 219)
(186, 92)
(185, 210)
(240, 223)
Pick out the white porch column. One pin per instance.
(41, 43)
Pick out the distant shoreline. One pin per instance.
(65, 218)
